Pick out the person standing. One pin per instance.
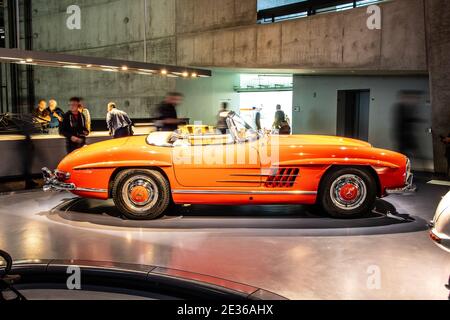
(222, 116)
(87, 115)
(118, 122)
(167, 113)
(74, 126)
(56, 117)
(42, 115)
(280, 117)
(258, 118)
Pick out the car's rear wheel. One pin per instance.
(141, 194)
(348, 193)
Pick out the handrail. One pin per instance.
(310, 7)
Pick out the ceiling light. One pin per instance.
(124, 68)
(71, 66)
(88, 65)
(185, 74)
(9, 58)
(29, 60)
(109, 67)
(147, 70)
(194, 75)
(163, 71)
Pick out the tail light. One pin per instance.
(435, 238)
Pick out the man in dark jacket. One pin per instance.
(74, 127)
(280, 117)
(118, 122)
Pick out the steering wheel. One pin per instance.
(8, 261)
(7, 280)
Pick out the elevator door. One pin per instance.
(353, 114)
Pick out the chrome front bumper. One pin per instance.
(51, 182)
(410, 187)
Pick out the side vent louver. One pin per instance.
(282, 178)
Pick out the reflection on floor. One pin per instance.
(440, 183)
(292, 251)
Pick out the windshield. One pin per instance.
(238, 131)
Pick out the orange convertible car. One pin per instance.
(147, 174)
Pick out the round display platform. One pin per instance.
(298, 220)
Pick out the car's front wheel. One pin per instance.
(141, 194)
(348, 193)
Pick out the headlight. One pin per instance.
(443, 205)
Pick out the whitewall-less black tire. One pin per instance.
(348, 192)
(141, 194)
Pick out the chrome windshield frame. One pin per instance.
(232, 127)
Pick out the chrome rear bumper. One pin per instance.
(51, 182)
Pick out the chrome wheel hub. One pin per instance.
(348, 192)
(140, 193)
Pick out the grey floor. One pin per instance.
(287, 250)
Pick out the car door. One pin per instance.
(205, 164)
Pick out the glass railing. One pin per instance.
(270, 11)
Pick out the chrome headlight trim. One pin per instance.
(408, 170)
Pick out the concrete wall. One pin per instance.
(438, 36)
(203, 97)
(113, 29)
(317, 99)
(213, 33)
(338, 40)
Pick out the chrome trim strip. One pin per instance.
(251, 175)
(240, 181)
(92, 190)
(230, 192)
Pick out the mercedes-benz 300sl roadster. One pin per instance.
(145, 175)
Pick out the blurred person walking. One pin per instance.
(74, 126)
(406, 122)
(446, 142)
(167, 113)
(222, 124)
(118, 122)
(56, 117)
(258, 118)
